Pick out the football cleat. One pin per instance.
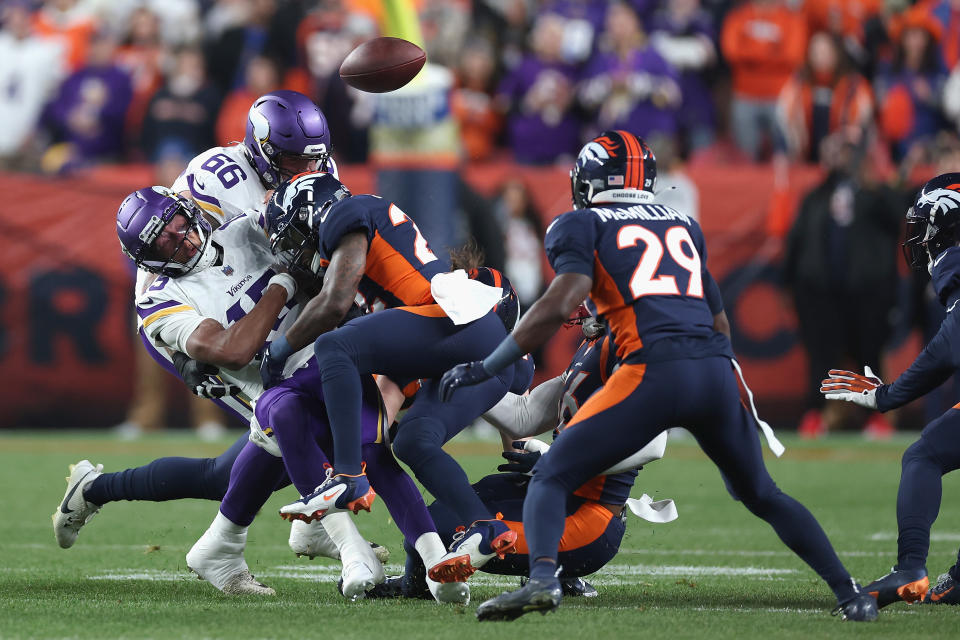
(536, 595)
(900, 585)
(357, 577)
(75, 511)
(311, 540)
(473, 548)
(860, 608)
(393, 587)
(337, 493)
(220, 562)
(578, 588)
(944, 592)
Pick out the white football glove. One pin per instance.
(852, 387)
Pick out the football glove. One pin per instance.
(462, 375)
(201, 378)
(521, 461)
(274, 358)
(852, 387)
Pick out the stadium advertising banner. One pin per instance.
(66, 312)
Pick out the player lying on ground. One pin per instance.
(595, 515)
(431, 320)
(643, 266)
(932, 236)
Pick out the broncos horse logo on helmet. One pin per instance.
(295, 212)
(616, 166)
(933, 222)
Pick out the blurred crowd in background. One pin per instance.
(867, 89)
(86, 81)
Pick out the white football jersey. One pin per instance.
(171, 309)
(223, 182)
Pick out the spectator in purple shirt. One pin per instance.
(628, 85)
(537, 96)
(87, 117)
(683, 33)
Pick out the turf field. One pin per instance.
(716, 572)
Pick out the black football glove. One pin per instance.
(201, 378)
(462, 375)
(520, 461)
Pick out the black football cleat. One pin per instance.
(900, 585)
(536, 595)
(578, 588)
(860, 608)
(946, 591)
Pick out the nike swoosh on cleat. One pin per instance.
(327, 496)
(63, 505)
(936, 596)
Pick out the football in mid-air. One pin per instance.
(382, 64)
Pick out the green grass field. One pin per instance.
(716, 572)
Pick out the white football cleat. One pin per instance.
(312, 540)
(358, 578)
(220, 562)
(449, 592)
(75, 511)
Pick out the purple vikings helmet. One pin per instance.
(285, 124)
(140, 221)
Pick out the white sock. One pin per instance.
(430, 548)
(343, 532)
(224, 528)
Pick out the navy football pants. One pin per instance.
(171, 478)
(637, 403)
(924, 464)
(403, 346)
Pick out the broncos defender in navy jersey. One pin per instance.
(429, 319)
(595, 514)
(643, 266)
(932, 238)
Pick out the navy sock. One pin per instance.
(543, 569)
(343, 397)
(918, 504)
(414, 573)
(168, 479)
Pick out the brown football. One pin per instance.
(382, 64)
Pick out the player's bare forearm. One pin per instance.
(325, 311)
(554, 307)
(234, 347)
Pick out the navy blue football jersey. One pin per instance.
(650, 279)
(588, 371)
(400, 263)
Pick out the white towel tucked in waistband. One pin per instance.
(461, 298)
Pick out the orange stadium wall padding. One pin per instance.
(66, 326)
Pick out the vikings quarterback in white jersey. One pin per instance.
(219, 298)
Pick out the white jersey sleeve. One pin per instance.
(167, 317)
(222, 182)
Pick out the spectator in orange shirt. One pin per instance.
(824, 96)
(141, 55)
(764, 42)
(473, 100)
(262, 76)
(70, 23)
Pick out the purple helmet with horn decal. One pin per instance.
(144, 216)
(284, 127)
